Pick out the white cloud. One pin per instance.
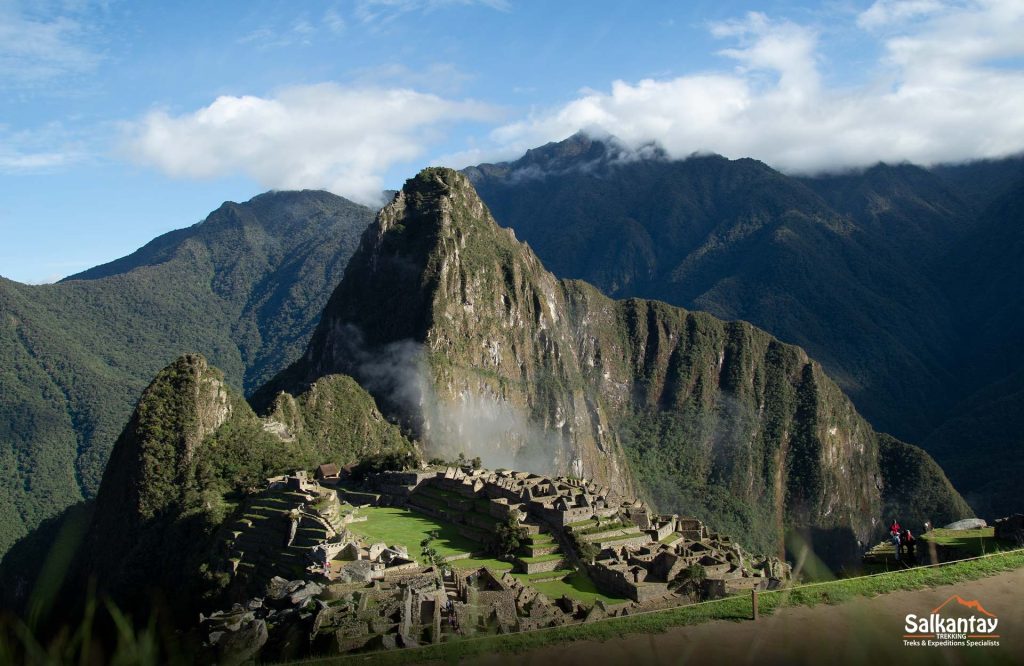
(334, 21)
(382, 11)
(443, 78)
(12, 161)
(38, 150)
(942, 91)
(37, 49)
(318, 136)
(299, 32)
(884, 13)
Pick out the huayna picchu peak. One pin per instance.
(462, 336)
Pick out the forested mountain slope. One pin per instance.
(245, 287)
(882, 275)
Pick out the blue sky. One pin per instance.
(122, 120)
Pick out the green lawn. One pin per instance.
(970, 542)
(576, 586)
(477, 562)
(543, 558)
(393, 525)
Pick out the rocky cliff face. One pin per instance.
(459, 331)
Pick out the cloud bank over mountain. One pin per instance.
(944, 89)
(945, 86)
(323, 136)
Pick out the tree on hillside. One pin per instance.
(508, 538)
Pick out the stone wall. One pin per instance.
(539, 567)
(641, 539)
(610, 535)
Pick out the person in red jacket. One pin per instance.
(894, 536)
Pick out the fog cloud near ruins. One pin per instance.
(473, 423)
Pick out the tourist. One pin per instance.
(907, 539)
(894, 536)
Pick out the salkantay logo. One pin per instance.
(934, 630)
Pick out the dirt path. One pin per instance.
(863, 631)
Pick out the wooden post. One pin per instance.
(753, 603)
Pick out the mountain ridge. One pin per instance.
(245, 287)
(490, 326)
(864, 269)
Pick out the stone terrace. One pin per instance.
(641, 553)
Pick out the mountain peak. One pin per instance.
(435, 230)
(578, 147)
(277, 216)
(583, 152)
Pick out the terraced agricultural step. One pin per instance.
(475, 534)
(611, 534)
(458, 556)
(641, 539)
(535, 550)
(480, 520)
(549, 576)
(427, 502)
(672, 539)
(532, 565)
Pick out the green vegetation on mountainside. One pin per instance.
(480, 345)
(191, 448)
(903, 282)
(337, 421)
(800, 258)
(245, 287)
(916, 489)
(980, 441)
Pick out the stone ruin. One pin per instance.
(643, 564)
(350, 594)
(641, 553)
(402, 612)
(483, 601)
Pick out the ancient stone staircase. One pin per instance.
(450, 588)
